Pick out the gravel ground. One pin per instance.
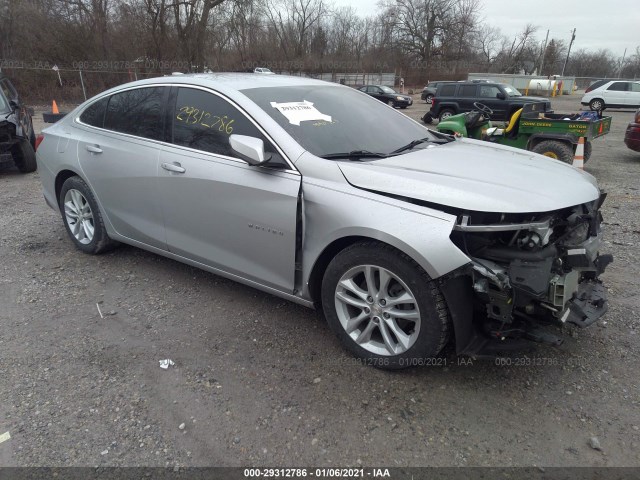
(262, 382)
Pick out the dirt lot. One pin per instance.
(259, 381)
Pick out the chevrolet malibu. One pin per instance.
(324, 196)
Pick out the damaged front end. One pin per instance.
(527, 271)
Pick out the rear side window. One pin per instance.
(619, 86)
(446, 90)
(489, 91)
(468, 91)
(94, 114)
(205, 121)
(137, 112)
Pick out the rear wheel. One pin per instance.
(596, 104)
(82, 217)
(446, 113)
(384, 307)
(429, 98)
(24, 156)
(555, 149)
(588, 148)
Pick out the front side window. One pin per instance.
(204, 121)
(137, 112)
(619, 86)
(387, 89)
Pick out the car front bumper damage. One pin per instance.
(526, 279)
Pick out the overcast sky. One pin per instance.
(612, 24)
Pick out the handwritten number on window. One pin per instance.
(192, 116)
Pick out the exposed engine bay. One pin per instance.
(532, 269)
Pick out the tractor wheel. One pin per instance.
(555, 149)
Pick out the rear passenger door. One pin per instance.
(118, 150)
(633, 99)
(467, 94)
(616, 94)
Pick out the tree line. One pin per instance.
(420, 39)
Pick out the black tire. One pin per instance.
(427, 118)
(32, 138)
(100, 242)
(555, 149)
(588, 149)
(597, 105)
(24, 156)
(403, 107)
(429, 98)
(433, 333)
(445, 113)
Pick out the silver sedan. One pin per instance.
(319, 194)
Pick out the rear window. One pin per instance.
(137, 112)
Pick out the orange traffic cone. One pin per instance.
(578, 158)
(54, 108)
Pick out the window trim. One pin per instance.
(291, 169)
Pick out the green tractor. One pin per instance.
(554, 135)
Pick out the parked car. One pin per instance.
(309, 190)
(387, 95)
(459, 97)
(263, 71)
(632, 135)
(613, 94)
(429, 91)
(17, 138)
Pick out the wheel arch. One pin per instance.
(535, 139)
(61, 177)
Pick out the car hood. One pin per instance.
(477, 176)
(526, 99)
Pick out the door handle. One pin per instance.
(173, 167)
(94, 149)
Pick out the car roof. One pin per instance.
(229, 83)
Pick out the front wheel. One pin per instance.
(82, 217)
(384, 307)
(556, 150)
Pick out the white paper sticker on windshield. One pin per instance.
(297, 112)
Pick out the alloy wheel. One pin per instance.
(79, 217)
(377, 310)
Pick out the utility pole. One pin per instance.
(544, 52)
(622, 63)
(573, 37)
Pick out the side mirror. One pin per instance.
(14, 105)
(501, 96)
(250, 149)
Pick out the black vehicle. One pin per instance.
(429, 91)
(387, 95)
(17, 138)
(502, 99)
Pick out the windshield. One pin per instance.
(332, 119)
(387, 89)
(512, 92)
